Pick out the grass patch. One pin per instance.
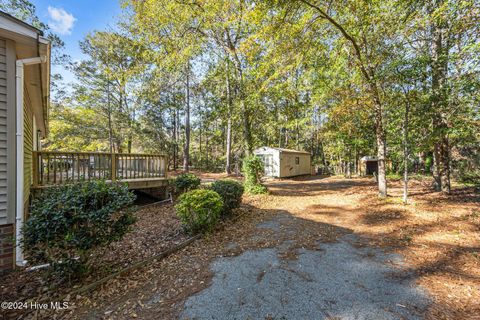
(394, 176)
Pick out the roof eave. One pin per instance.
(19, 26)
(45, 45)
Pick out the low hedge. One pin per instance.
(186, 182)
(67, 222)
(231, 192)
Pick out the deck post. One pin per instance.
(35, 168)
(166, 162)
(114, 167)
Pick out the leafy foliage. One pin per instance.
(307, 75)
(231, 192)
(253, 171)
(256, 189)
(186, 182)
(199, 210)
(67, 222)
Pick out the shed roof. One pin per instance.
(285, 150)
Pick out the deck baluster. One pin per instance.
(58, 168)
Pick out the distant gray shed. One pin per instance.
(368, 166)
(282, 163)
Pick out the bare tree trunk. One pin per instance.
(439, 103)
(174, 138)
(279, 127)
(175, 134)
(177, 143)
(120, 107)
(206, 149)
(129, 145)
(229, 123)
(247, 134)
(298, 134)
(200, 132)
(240, 92)
(445, 161)
(436, 168)
(382, 172)
(186, 149)
(280, 137)
(381, 149)
(110, 131)
(421, 164)
(405, 153)
(109, 112)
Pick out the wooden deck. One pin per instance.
(139, 171)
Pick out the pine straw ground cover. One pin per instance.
(156, 230)
(438, 235)
(159, 290)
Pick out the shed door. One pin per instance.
(372, 167)
(268, 164)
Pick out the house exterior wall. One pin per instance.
(7, 154)
(6, 248)
(27, 147)
(19, 41)
(3, 133)
(11, 131)
(290, 168)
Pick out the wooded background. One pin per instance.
(208, 81)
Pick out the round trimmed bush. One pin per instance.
(231, 192)
(186, 182)
(199, 210)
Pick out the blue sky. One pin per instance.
(72, 20)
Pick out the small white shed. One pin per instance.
(368, 166)
(282, 163)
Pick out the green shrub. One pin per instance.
(428, 164)
(186, 182)
(470, 178)
(256, 189)
(231, 192)
(253, 170)
(199, 210)
(67, 222)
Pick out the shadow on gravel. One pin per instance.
(301, 279)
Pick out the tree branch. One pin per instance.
(345, 34)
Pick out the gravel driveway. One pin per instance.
(339, 280)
